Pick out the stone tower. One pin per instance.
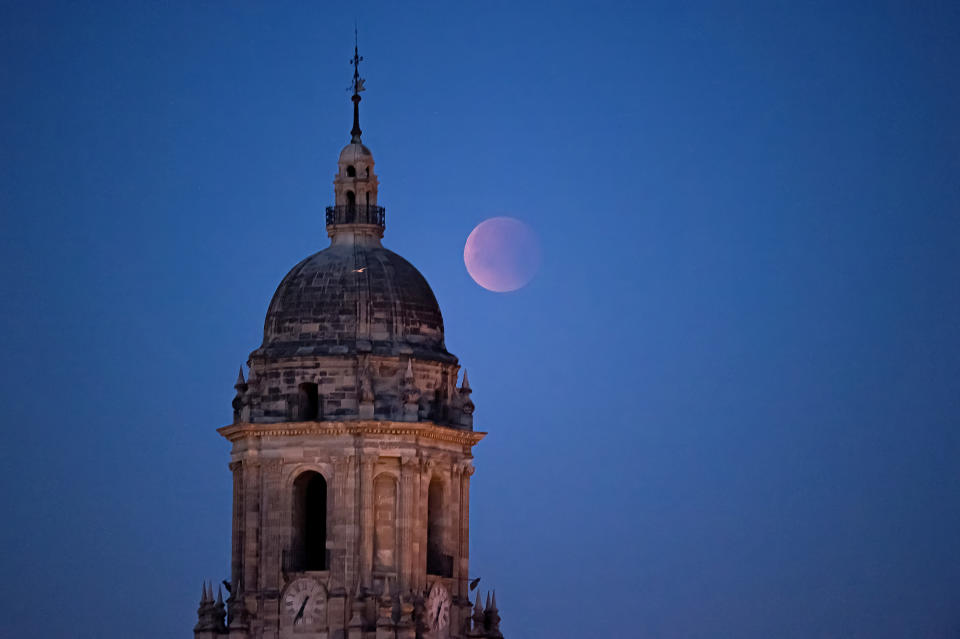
(351, 455)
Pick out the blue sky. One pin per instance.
(727, 406)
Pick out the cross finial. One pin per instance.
(357, 88)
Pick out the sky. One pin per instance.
(727, 406)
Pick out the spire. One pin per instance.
(357, 88)
(240, 381)
(466, 404)
(494, 632)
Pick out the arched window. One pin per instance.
(351, 172)
(351, 198)
(308, 402)
(385, 523)
(310, 522)
(438, 562)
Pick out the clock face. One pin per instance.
(305, 602)
(438, 611)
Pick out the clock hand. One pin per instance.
(300, 612)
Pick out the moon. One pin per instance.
(502, 254)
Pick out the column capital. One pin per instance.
(427, 465)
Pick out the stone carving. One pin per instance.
(410, 395)
(365, 394)
(366, 385)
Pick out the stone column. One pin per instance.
(463, 551)
(337, 541)
(251, 535)
(351, 521)
(274, 522)
(407, 515)
(366, 518)
(453, 528)
(420, 568)
(236, 540)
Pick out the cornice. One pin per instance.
(425, 430)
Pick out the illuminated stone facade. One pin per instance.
(351, 452)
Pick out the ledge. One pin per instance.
(426, 430)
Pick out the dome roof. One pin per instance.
(355, 152)
(354, 298)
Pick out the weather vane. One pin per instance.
(355, 61)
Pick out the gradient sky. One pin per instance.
(728, 406)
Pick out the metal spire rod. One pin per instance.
(357, 88)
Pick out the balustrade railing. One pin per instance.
(356, 214)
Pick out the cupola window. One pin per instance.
(351, 172)
(308, 402)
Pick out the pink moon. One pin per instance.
(502, 254)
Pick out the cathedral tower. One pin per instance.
(352, 443)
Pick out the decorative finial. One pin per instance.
(357, 88)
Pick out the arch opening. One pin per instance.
(310, 523)
(438, 562)
(351, 171)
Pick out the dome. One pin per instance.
(351, 298)
(354, 153)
